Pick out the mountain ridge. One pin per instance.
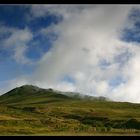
(31, 90)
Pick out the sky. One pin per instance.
(91, 49)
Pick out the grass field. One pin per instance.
(32, 111)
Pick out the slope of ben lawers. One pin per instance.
(30, 110)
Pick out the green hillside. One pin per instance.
(30, 110)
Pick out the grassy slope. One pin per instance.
(31, 111)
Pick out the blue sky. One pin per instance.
(132, 34)
(17, 16)
(45, 45)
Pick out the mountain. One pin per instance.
(32, 94)
(30, 110)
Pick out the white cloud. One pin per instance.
(17, 42)
(130, 90)
(85, 38)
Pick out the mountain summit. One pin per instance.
(29, 93)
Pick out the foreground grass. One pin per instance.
(71, 119)
(28, 132)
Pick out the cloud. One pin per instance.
(130, 90)
(88, 35)
(89, 50)
(16, 42)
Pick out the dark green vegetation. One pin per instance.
(29, 110)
